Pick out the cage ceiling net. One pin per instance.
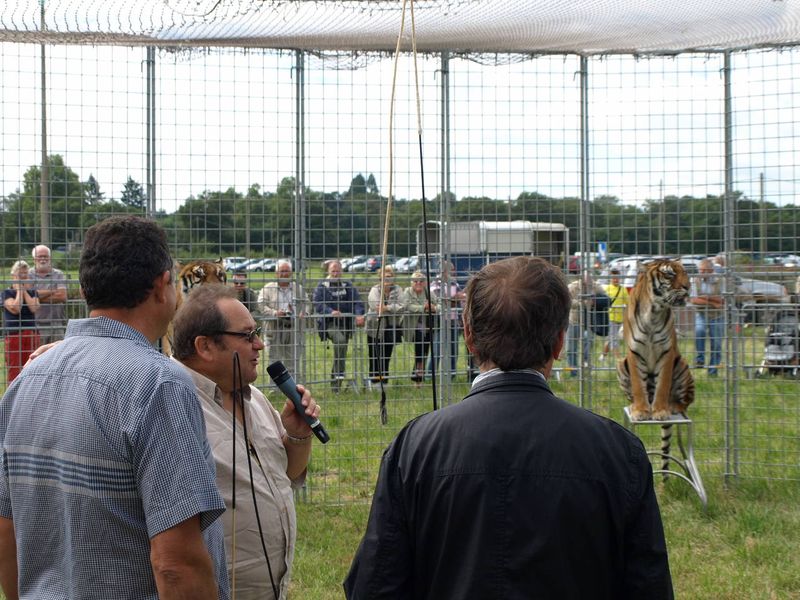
(528, 26)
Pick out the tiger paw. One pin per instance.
(661, 415)
(638, 414)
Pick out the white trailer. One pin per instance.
(473, 244)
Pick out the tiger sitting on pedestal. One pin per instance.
(653, 375)
(190, 275)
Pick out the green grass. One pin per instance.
(743, 547)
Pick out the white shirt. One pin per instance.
(497, 371)
(273, 489)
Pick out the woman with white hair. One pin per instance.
(20, 304)
(415, 323)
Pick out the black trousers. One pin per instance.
(380, 351)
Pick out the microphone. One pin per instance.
(286, 384)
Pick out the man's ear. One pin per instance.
(202, 347)
(559, 345)
(161, 284)
(468, 339)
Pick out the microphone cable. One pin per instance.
(238, 396)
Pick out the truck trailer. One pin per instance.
(470, 245)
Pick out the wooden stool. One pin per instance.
(690, 473)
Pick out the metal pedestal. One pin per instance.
(686, 462)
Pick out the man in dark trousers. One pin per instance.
(513, 492)
(340, 305)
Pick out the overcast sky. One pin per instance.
(227, 119)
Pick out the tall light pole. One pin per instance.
(44, 191)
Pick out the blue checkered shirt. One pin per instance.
(103, 447)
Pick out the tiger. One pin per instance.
(653, 375)
(190, 275)
(198, 272)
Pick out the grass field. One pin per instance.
(744, 547)
(741, 547)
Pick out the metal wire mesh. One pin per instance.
(554, 26)
(270, 154)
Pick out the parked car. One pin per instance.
(791, 261)
(759, 291)
(242, 266)
(231, 263)
(263, 264)
(406, 264)
(748, 291)
(624, 264)
(375, 262)
(358, 266)
(346, 262)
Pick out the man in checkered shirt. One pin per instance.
(107, 481)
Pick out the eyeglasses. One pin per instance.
(248, 335)
(239, 283)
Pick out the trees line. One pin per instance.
(220, 223)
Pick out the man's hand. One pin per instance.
(298, 451)
(293, 422)
(41, 350)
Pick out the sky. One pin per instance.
(228, 119)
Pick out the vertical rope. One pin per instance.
(387, 219)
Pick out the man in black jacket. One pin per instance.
(513, 493)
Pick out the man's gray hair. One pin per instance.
(35, 248)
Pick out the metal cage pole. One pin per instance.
(442, 362)
(583, 235)
(299, 246)
(150, 133)
(44, 175)
(731, 316)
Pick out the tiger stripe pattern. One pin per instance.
(199, 272)
(653, 375)
(190, 275)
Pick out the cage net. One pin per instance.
(250, 151)
(560, 26)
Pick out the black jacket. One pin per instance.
(336, 294)
(513, 493)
